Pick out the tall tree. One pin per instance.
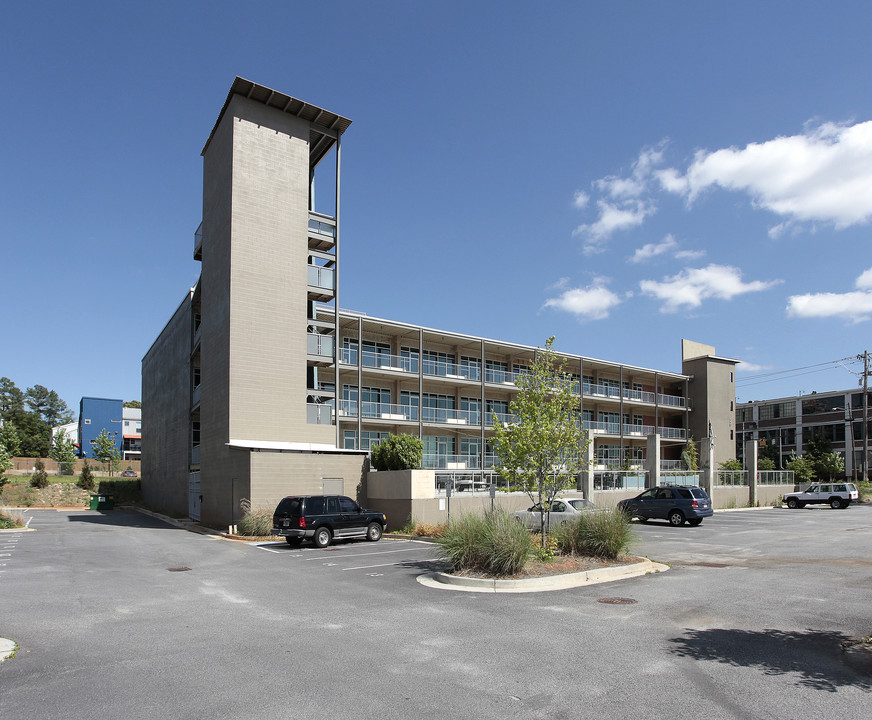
(541, 451)
(11, 400)
(10, 439)
(48, 405)
(105, 450)
(64, 452)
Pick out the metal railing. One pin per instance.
(775, 477)
(319, 414)
(729, 478)
(322, 225)
(317, 344)
(605, 480)
(321, 277)
(680, 477)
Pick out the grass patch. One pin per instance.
(494, 543)
(255, 522)
(9, 519)
(604, 534)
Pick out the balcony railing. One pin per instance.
(319, 414)
(322, 225)
(317, 344)
(321, 277)
(195, 396)
(731, 477)
(451, 417)
(198, 241)
(775, 477)
(374, 359)
(378, 411)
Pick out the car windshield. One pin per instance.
(581, 504)
(699, 493)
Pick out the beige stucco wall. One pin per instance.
(166, 406)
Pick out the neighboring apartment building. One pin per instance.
(122, 424)
(256, 389)
(786, 424)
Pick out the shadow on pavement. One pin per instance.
(120, 518)
(816, 657)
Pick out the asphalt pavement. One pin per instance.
(118, 614)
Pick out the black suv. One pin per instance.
(675, 503)
(320, 518)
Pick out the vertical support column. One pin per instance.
(707, 456)
(483, 413)
(586, 479)
(751, 469)
(336, 286)
(359, 383)
(652, 461)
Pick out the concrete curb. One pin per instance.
(444, 581)
(7, 648)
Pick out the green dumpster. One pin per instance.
(102, 502)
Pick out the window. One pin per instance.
(612, 422)
(823, 405)
(368, 440)
(409, 357)
(496, 371)
(772, 411)
(439, 363)
(471, 410)
(470, 367)
(375, 354)
(409, 402)
(87, 421)
(347, 505)
(436, 408)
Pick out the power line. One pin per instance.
(775, 375)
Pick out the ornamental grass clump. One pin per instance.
(603, 534)
(10, 519)
(255, 522)
(494, 543)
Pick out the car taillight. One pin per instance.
(302, 522)
(694, 504)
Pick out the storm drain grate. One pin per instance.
(179, 569)
(617, 601)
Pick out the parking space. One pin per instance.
(382, 559)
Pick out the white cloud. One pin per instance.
(612, 218)
(691, 286)
(591, 303)
(646, 252)
(689, 254)
(744, 366)
(581, 199)
(824, 174)
(855, 306)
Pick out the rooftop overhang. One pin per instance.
(325, 126)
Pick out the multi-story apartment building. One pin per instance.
(122, 424)
(783, 427)
(258, 386)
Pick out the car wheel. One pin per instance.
(792, 503)
(676, 518)
(322, 537)
(294, 541)
(374, 532)
(694, 522)
(836, 503)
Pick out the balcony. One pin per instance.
(322, 283)
(380, 360)
(195, 455)
(322, 231)
(198, 242)
(378, 411)
(319, 348)
(319, 414)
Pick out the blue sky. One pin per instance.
(620, 175)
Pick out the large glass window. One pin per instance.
(410, 358)
(496, 371)
(612, 422)
(470, 367)
(375, 354)
(471, 408)
(814, 405)
(436, 408)
(439, 363)
(409, 401)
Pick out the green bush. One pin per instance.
(398, 452)
(603, 534)
(86, 479)
(10, 520)
(122, 490)
(494, 543)
(256, 522)
(39, 479)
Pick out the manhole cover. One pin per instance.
(179, 569)
(617, 601)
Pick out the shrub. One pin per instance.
(603, 534)
(428, 530)
(9, 519)
(39, 479)
(123, 490)
(494, 543)
(255, 522)
(86, 479)
(398, 452)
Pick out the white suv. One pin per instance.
(836, 495)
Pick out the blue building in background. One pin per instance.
(96, 415)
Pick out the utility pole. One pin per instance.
(865, 357)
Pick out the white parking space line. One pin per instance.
(366, 567)
(381, 552)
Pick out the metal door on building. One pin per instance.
(194, 496)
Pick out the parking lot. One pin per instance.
(118, 614)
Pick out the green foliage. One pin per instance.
(5, 464)
(47, 405)
(803, 469)
(765, 463)
(398, 452)
(123, 490)
(86, 479)
(603, 534)
(39, 479)
(769, 451)
(32, 414)
(10, 520)
(105, 450)
(731, 464)
(133, 404)
(64, 451)
(817, 446)
(494, 543)
(690, 455)
(540, 452)
(829, 464)
(10, 439)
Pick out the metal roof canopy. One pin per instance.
(325, 126)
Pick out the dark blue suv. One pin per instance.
(675, 503)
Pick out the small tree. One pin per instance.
(5, 464)
(540, 451)
(105, 450)
(64, 452)
(39, 479)
(802, 468)
(829, 464)
(398, 452)
(765, 463)
(731, 465)
(86, 479)
(690, 455)
(10, 439)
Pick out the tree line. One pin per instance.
(28, 418)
